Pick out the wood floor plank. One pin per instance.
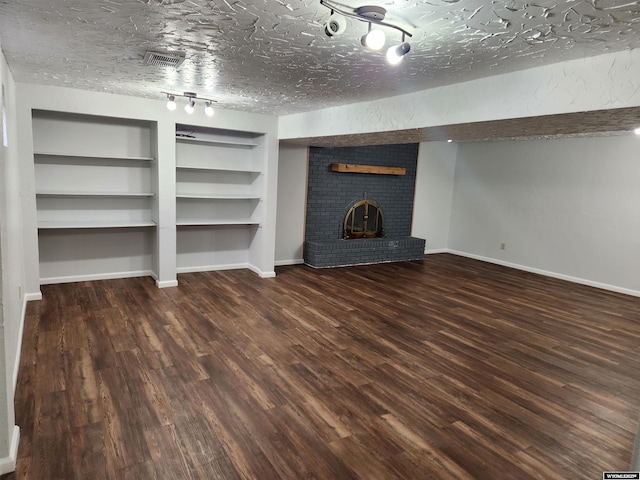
(441, 368)
(82, 387)
(87, 449)
(52, 438)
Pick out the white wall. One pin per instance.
(432, 204)
(433, 194)
(292, 199)
(601, 82)
(566, 207)
(12, 267)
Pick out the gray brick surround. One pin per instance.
(330, 195)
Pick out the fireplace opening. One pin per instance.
(364, 220)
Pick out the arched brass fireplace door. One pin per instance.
(364, 220)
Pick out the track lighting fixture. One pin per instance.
(171, 104)
(191, 102)
(336, 24)
(208, 109)
(374, 38)
(397, 53)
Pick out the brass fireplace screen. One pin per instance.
(364, 220)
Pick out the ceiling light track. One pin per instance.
(191, 97)
(374, 38)
(367, 14)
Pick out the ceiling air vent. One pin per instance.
(163, 59)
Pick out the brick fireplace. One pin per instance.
(331, 195)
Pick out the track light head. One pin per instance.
(336, 25)
(208, 109)
(190, 107)
(397, 53)
(171, 103)
(373, 39)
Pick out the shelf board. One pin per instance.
(70, 224)
(75, 157)
(205, 222)
(217, 169)
(51, 193)
(354, 168)
(241, 143)
(217, 196)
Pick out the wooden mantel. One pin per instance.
(352, 168)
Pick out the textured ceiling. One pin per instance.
(272, 56)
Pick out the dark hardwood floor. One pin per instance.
(446, 368)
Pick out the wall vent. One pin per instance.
(163, 59)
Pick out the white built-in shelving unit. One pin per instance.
(219, 193)
(105, 191)
(96, 185)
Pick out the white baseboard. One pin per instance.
(97, 276)
(16, 363)
(212, 268)
(435, 250)
(230, 266)
(8, 464)
(254, 269)
(547, 273)
(33, 296)
(166, 283)
(283, 263)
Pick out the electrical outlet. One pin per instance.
(503, 246)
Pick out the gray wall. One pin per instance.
(434, 193)
(564, 207)
(292, 192)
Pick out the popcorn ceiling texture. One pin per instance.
(273, 56)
